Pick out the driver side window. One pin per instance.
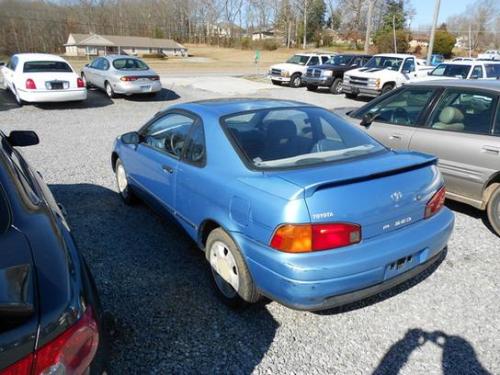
(409, 65)
(169, 133)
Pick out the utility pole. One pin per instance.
(369, 25)
(470, 40)
(433, 31)
(394, 33)
(305, 24)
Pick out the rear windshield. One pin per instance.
(298, 59)
(384, 62)
(451, 70)
(295, 137)
(129, 64)
(492, 70)
(46, 67)
(340, 60)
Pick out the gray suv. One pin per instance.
(458, 121)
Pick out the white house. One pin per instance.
(95, 45)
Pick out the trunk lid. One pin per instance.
(52, 81)
(381, 193)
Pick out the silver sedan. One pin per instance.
(119, 74)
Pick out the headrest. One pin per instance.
(280, 129)
(450, 115)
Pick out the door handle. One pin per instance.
(491, 149)
(395, 137)
(167, 169)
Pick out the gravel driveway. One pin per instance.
(156, 282)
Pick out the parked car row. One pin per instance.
(38, 78)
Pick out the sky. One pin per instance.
(425, 10)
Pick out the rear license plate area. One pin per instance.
(402, 265)
(56, 85)
(146, 88)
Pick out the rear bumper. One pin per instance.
(362, 90)
(137, 87)
(52, 95)
(322, 280)
(318, 81)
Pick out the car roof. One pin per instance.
(401, 55)
(114, 57)
(227, 106)
(38, 57)
(462, 83)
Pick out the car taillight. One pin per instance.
(301, 238)
(154, 78)
(435, 203)
(21, 367)
(80, 83)
(69, 353)
(30, 84)
(128, 78)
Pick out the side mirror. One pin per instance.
(86, 65)
(405, 71)
(367, 119)
(132, 138)
(23, 138)
(429, 73)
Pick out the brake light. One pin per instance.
(80, 83)
(69, 353)
(21, 367)
(435, 203)
(301, 238)
(30, 84)
(128, 78)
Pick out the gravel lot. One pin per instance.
(155, 281)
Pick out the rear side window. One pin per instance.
(466, 112)
(129, 64)
(492, 70)
(195, 152)
(496, 131)
(46, 67)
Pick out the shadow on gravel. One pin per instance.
(95, 99)
(156, 282)
(7, 100)
(164, 95)
(459, 356)
(470, 211)
(388, 293)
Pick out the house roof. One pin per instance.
(121, 41)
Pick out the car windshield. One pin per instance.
(451, 70)
(492, 70)
(129, 64)
(384, 62)
(298, 59)
(340, 60)
(46, 67)
(295, 137)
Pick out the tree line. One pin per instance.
(29, 25)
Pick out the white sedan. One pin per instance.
(36, 77)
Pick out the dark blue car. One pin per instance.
(50, 315)
(287, 200)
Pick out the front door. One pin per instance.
(459, 132)
(153, 165)
(397, 116)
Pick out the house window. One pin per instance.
(91, 50)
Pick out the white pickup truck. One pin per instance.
(489, 55)
(291, 72)
(383, 73)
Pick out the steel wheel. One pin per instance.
(224, 269)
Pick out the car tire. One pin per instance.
(122, 184)
(387, 87)
(19, 101)
(312, 88)
(276, 83)
(109, 90)
(350, 95)
(295, 81)
(493, 210)
(225, 258)
(336, 87)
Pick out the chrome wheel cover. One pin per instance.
(224, 269)
(121, 179)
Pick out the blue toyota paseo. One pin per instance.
(287, 200)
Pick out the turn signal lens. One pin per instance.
(30, 84)
(128, 78)
(301, 238)
(436, 203)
